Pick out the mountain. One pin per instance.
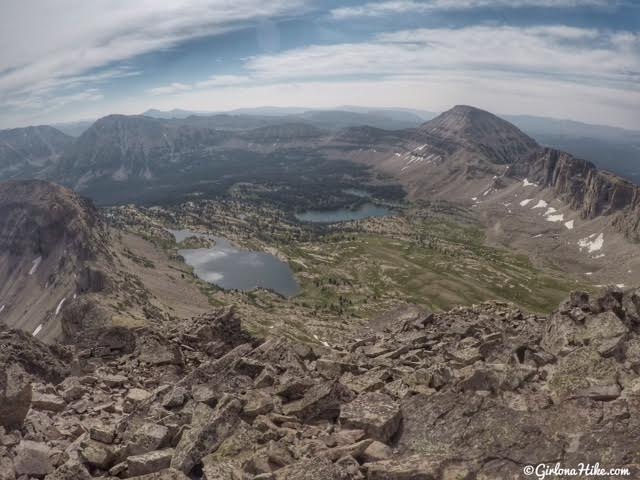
(49, 240)
(73, 129)
(28, 151)
(609, 148)
(120, 148)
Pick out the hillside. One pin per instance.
(472, 393)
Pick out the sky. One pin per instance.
(67, 60)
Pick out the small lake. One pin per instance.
(344, 214)
(233, 269)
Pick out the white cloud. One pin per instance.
(396, 7)
(549, 70)
(562, 51)
(224, 81)
(170, 89)
(52, 44)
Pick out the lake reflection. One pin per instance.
(234, 269)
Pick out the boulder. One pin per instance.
(319, 468)
(96, 454)
(15, 396)
(69, 471)
(114, 381)
(150, 462)
(135, 397)
(168, 474)
(72, 389)
(47, 401)
(376, 413)
(416, 467)
(209, 428)
(148, 437)
(375, 452)
(102, 433)
(32, 459)
(322, 401)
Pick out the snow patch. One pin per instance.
(526, 202)
(555, 218)
(620, 285)
(549, 211)
(569, 224)
(540, 204)
(59, 307)
(34, 265)
(1, 308)
(592, 245)
(37, 330)
(474, 198)
(589, 273)
(527, 183)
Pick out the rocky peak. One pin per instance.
(472, 128)
(37, 217)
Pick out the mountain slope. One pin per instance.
(49, 240)
(27, 151)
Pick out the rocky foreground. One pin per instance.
(474, 393)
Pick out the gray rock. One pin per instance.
(15, 396)
(209, 429)
(32, 458)
(150, 462)
(376, 413)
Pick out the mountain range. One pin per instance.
(113, 363)
(465, 155)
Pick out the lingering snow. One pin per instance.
(537, 236)
(540, 204)
(592, 245)
(322, 341)
(599, 256)
(555, 218)
(59, 307)
(549, 211)
(37, 330)
(34, 265)
(569, 224)
(620, 285)
(589, 273)
(526, 202)
(1, 308)
(527, 183)
(474, 198)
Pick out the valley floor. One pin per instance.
(434, 256)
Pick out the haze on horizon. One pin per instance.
(67, 60)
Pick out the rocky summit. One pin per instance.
(473, 393)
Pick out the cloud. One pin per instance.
(565, 53)
(224, 81)
(582, 70)
(170, 89)
(68, 41)
(397, 7)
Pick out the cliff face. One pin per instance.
(50, 239)
(38, 217)
(583, 187)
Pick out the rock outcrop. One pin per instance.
(475, 392)
(583, 187)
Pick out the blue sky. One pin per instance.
(63, 60)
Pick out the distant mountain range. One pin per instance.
(610, 148)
